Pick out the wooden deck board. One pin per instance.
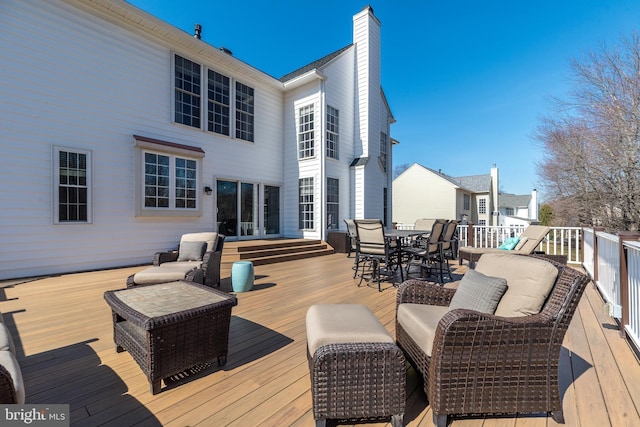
(63, 332)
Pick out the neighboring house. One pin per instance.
(518, 210)
(121, 132)
(421, 192)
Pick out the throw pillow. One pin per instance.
(191, 251)
(509, 244)
(479, 292)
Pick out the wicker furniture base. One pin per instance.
(170, 327)
(363, 381)
(486, 364)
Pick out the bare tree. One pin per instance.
(591, 143)
(397, 170)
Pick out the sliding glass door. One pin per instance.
(239, 209)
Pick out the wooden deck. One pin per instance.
(62, 328)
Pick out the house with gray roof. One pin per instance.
(421, 192)
(122, 132)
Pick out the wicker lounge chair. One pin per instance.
(529, 241)
(187, 263)
(475, 362)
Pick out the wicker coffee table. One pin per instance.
(170, 327)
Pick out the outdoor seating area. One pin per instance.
(267, 378)
(197, 259)
(390, 254)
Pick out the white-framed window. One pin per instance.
(384, 150)
(168, 178)
(305, 204)
(219, 101)
(72, 198)
(219, 107)
(187, 92)
(244, 112)
(509, 211)
(482, 206)
(305, 132)
(482, 222)
(333, 135)
(466, 202)
(333, 203)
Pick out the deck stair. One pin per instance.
(270, 251)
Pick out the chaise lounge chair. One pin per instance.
(527, 243)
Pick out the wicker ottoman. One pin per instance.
(170, 327)
(357, 371)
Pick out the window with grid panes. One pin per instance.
(73, 186)
(305, 132)
(218, 88)
(244, 112)
(332, 132)
(187, 92)
(305, 204)
(170, 181)
(482, 206)
(333, 203)
(384, 150)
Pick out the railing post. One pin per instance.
(595, 253)
(625, 236)
(471, 241)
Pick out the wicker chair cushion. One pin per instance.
(6, 341)
(167, 272)
(420, 322)
(529, 282)
(210, 237)
(343, 323)
(191, 251)
(478, 292)
(8, 360)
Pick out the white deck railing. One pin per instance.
(559, 241)
(613, 262)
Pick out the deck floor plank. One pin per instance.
(64, 338)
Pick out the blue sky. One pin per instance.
(467, 81)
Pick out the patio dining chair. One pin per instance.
(352, 235)
(374, 252)
(427, 252)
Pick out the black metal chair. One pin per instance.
(373, 250)
(428, 252)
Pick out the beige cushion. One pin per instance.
(8, 360)
(167, 272)
(529, 281)
(478, 292)
(343, 323)
(521, 243)
(6, 340)
(420, 322)
(208, 236)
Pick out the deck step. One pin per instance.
(262, 252)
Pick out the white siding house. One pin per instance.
(121, 132)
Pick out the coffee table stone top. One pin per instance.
(150, 305)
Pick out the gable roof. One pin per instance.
(314, 65)
(474, 183)
(506, 200)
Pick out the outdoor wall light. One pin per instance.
(208, 190)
